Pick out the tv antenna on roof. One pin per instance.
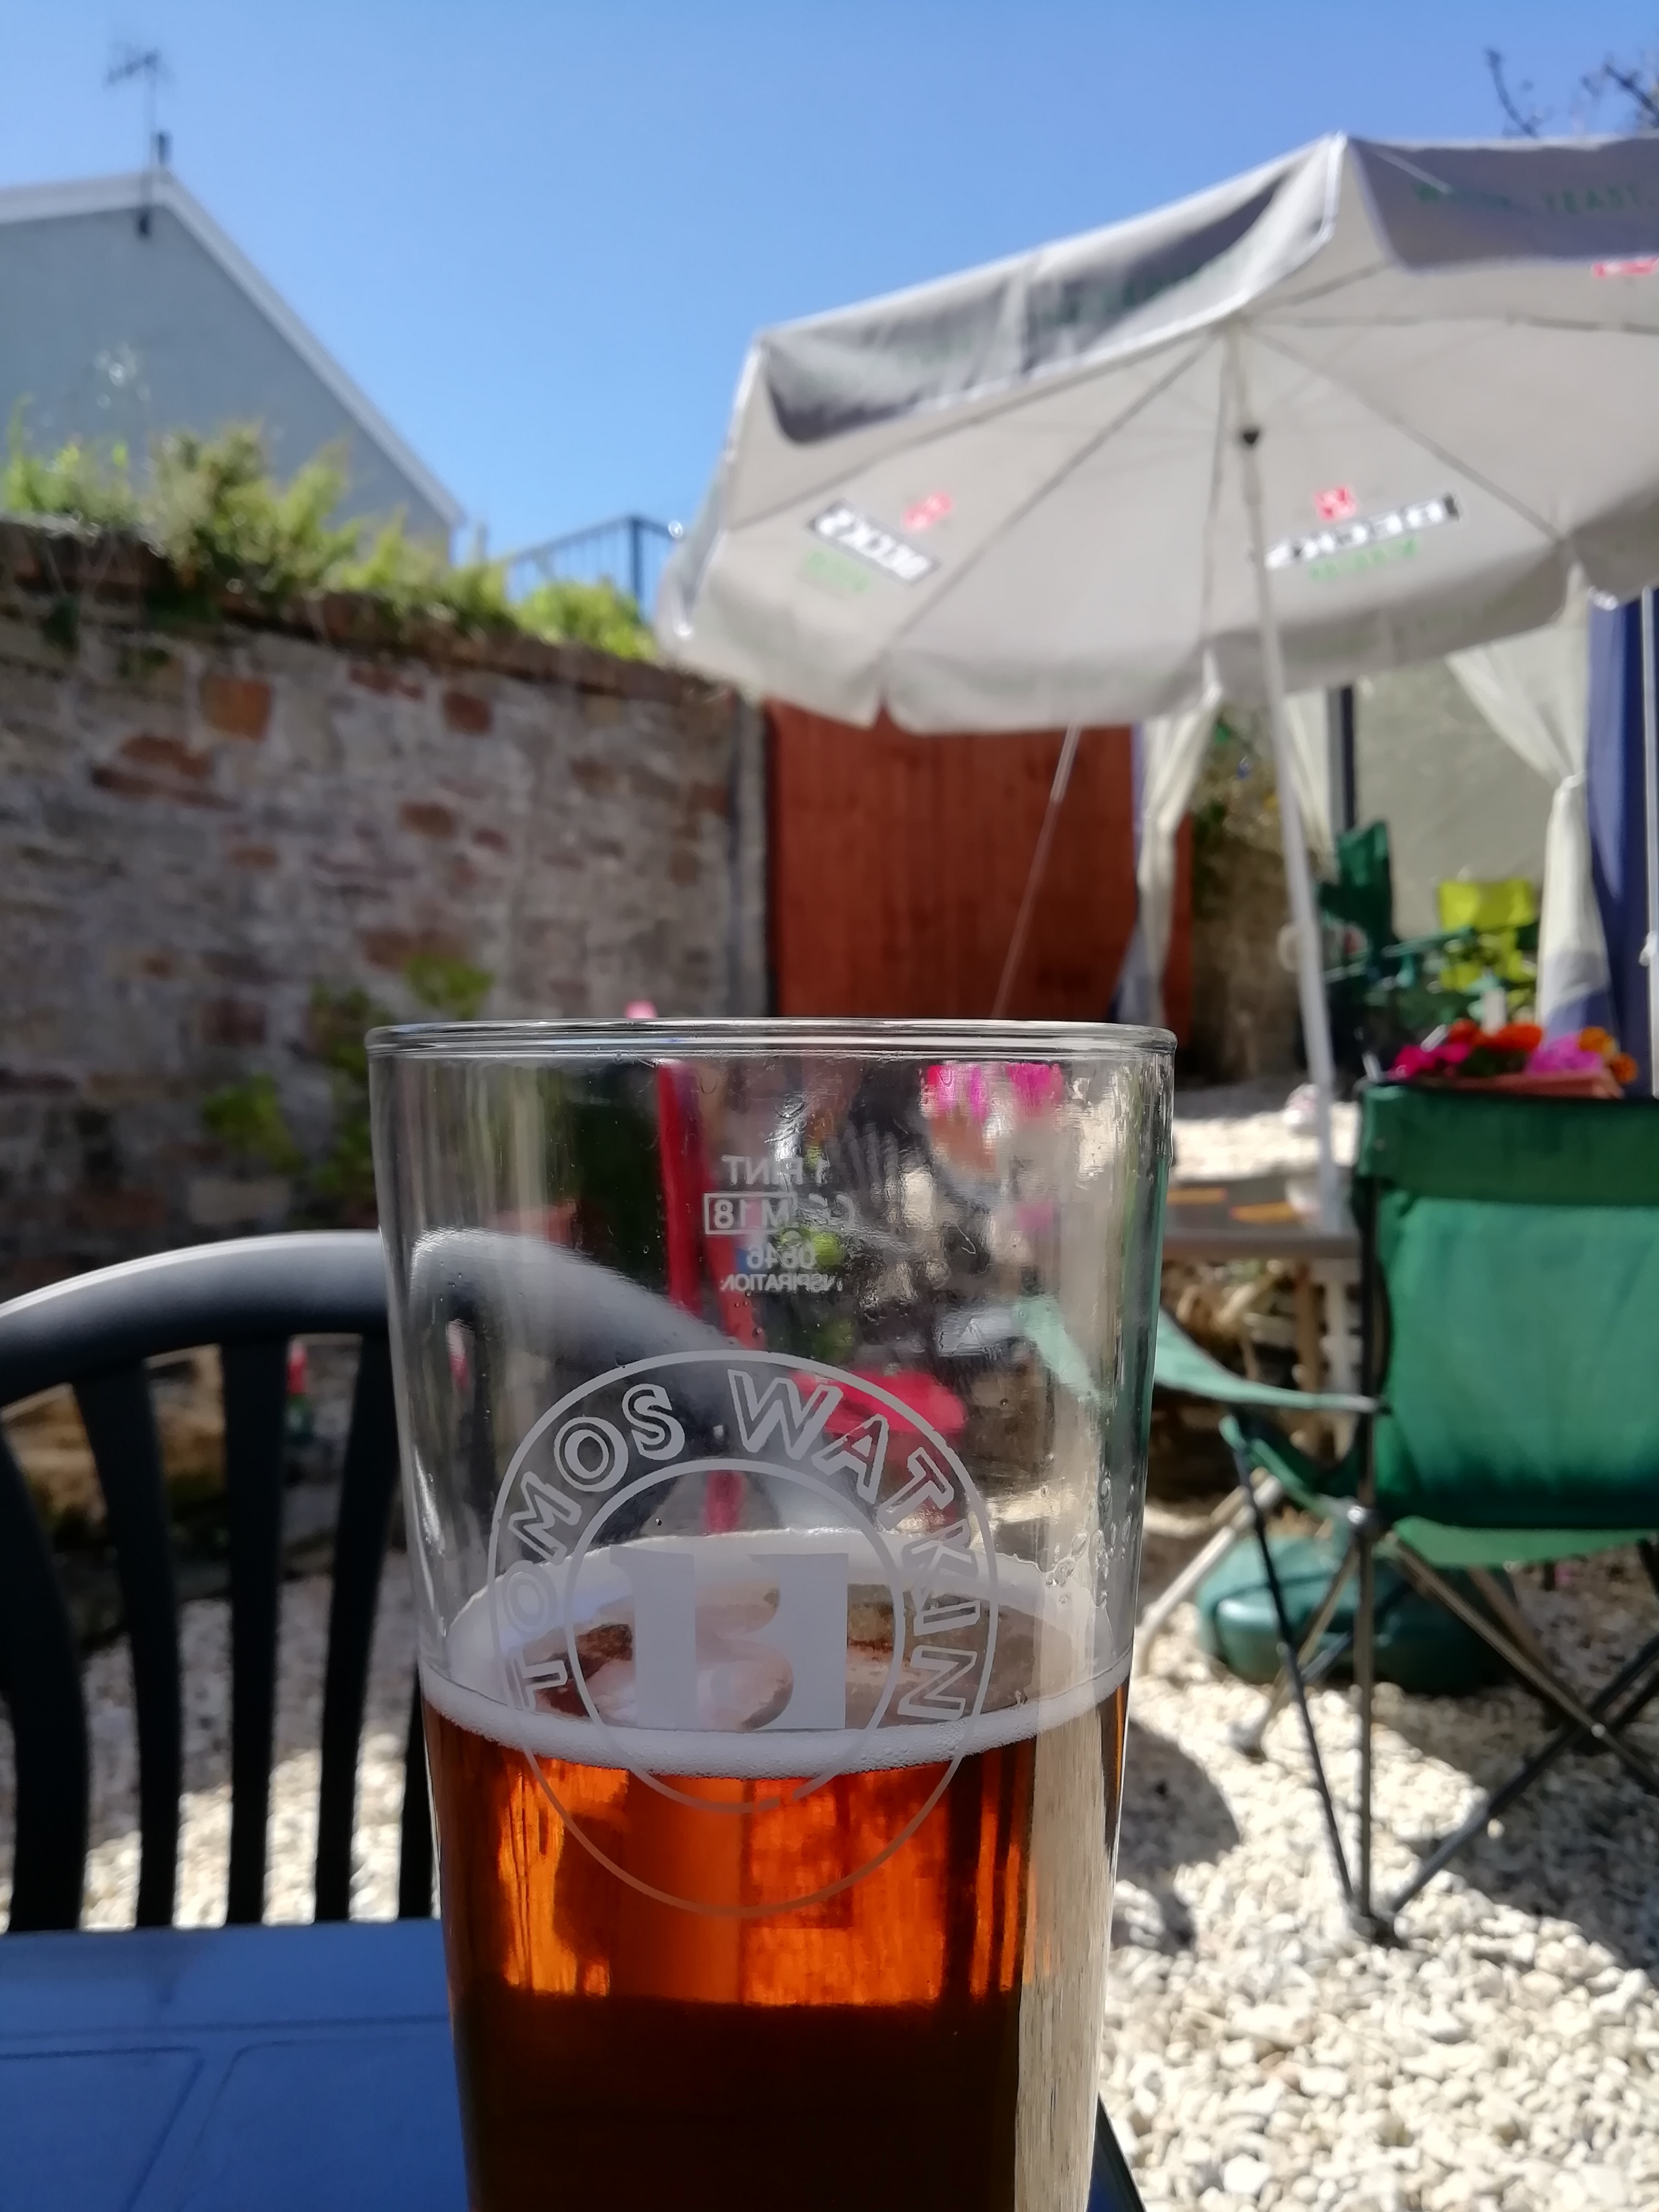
(145, 66)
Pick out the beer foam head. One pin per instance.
(780, 1653)
(847, 1605)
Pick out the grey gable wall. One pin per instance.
(109, 335)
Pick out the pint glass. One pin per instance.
(774, 1401)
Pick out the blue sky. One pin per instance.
(541, 235)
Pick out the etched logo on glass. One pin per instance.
(746, 1569)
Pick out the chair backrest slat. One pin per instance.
(368, 1480)
(416, 1854)
(41, 1681)
(119, 1420)
(256, 1407)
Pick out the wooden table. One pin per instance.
(1250, 1217)
(1257, 1217)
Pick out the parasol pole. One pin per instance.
(1033, 874)
(1309, 965)
(1650, 809)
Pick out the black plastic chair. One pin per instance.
(251, 1298)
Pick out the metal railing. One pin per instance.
(629, 551)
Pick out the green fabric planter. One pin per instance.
(1420, 1645)
(1509, 1150)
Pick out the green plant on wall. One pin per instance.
(343, 1179)
(1235, 802)
(587, 614)
(248, 1121)
(247, 1118)
(229, 529)
(214, 509)
(449, 987)
(77, 481)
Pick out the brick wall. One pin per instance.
(198, 826)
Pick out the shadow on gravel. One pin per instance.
(1581, 1845)
(1173, 1816)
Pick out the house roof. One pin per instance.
(160, 188)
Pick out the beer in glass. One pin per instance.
(773, 1405)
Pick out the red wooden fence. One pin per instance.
(898, 863)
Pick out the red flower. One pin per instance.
(1516, 1036)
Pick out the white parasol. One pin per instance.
(1368, 405)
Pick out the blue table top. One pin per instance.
(254, 2067)
(263, 2069)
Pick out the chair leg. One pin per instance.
(1292, 1666)
(1111, 2185)
(1364, 1677)
(414, 1860)
(1434, 1584)
(1314, 1672)
(1168, 1603)
(1248, 1737)
(1498, 1801)
(1504, 1609)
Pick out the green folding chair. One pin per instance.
(1509, 1322)
(1383, 991)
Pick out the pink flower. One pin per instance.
(1451, 1055)
(938, 1089)
(1036, 1084)
(1411, 1060)
(956, 1086)
(1563, 1056)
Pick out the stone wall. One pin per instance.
(198, 826)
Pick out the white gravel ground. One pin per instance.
(1503, 2057)
(1239, 1129)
